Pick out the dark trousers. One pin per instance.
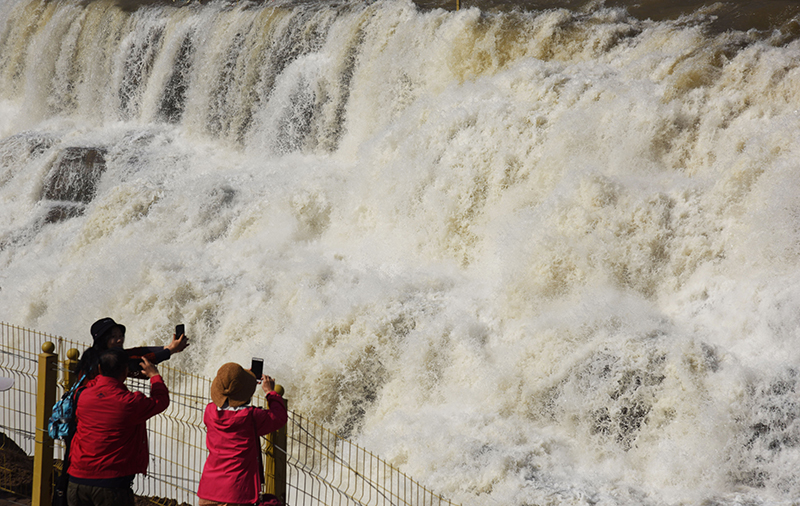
(87, 495)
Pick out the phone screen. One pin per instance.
(179, 330)
(257, 367)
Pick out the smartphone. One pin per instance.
(257, 367)
(179, 331)
(134, 365)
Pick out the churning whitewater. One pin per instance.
(528, 257)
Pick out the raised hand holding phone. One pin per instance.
(179, 340)
(267, 383)
(148, 368)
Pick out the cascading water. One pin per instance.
(542, 256)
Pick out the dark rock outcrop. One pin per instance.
(72, 181)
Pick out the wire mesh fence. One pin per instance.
(324, 468)
(321, 467)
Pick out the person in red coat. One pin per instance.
(231, 474)
(110, 442)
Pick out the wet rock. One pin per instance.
(75, 174)
(60, 211)
(72, 181)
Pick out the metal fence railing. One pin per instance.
(321, 467)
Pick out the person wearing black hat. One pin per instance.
(107, 334)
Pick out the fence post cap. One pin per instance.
(73, 354)
(48, 347)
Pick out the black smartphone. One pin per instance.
(134, 365)
(257, 367)
(179, 331)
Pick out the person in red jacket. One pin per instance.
(110, 442)
(231, 475)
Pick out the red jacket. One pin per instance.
(231, 472)
(111, 438)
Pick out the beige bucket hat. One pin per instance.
(233, 384)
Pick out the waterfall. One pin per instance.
(533, 253)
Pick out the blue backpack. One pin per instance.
(62, 421)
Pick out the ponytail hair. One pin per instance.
(87, 365)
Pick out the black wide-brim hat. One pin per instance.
(102, 326)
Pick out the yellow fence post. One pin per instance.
(275, 462)
(70, 365)
(43, 452)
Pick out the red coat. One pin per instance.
(111, 437)
(231, 472)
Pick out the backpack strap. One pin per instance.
(74, 387)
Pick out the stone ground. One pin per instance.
(8, 499)
(16, 473)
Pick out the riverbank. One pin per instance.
(9, 499)
(17, 474)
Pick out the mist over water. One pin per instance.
(530, 254)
